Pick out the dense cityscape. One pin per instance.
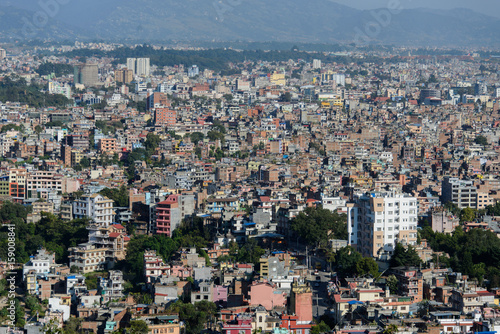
(149, 189)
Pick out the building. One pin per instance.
(111, 288)
(460, 192)
(124, 76)
(17, 184)
(97, 207)
(139, 66)
(57, 88)
(443, 221)
(168, 216)
(39, 263)
(165, 117)
(154, 266)
(480, 88)
(429, 93)
(3, 54)
(88, 258)
(378, 220)
(193, 71)
(43, 180)
(301, 302)
(107, 145)
(87, 75)
(316, 64)
(157, 100)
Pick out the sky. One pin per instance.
(488, 7)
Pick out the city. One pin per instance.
(148, 189)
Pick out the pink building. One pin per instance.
(219, 294)
(168, 216)
(263, 293)
(181, 271)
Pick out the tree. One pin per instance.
(346, 259)
(390, 329)
(138, 327)
(481, 140)
(195, 316)
(72, 325)
(366, 266)
(196, 137)
(152, 143)
(317, 225)
(405, 256)
(322, 327)
(38, 129)
(392, 284)
(467, 215)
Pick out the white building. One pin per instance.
(57, 88)
(97, 207)
(333, 203)
(379, 220)
(140, 66)
(39, 263)
(316, 63)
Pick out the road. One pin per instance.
(320, 293)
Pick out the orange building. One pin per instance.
(165, 116)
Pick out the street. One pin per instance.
(320, 294)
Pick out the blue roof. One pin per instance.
(353, 302)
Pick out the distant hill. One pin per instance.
(314, 21)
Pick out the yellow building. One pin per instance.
(278, 79)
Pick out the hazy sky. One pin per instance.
(488, 7)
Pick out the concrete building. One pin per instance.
(139, 66)
(460, 192)
(378, 220)
(87, 75)
(87, 258)
(40, 263)
(97, 207)
(301, 302)
(443, 221)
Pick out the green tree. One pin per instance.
(196, 137)
(481, 140)
(322, 327)
(405, 256)
(152, 143)
(366, 266)
(346, 260)
(392, 283)
(138, 327)
(467, 215)
(390, 329)
(72, 325)
(317, 225)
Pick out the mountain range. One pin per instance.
(314, 21)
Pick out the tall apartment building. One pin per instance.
(460, 192)
(3, 54)
(17, 184)
(87, 74)
(316, 63)
(97, 207)
(140, 66)
(171, 211)
(124, 76)
(165, 116)
(378, 220)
